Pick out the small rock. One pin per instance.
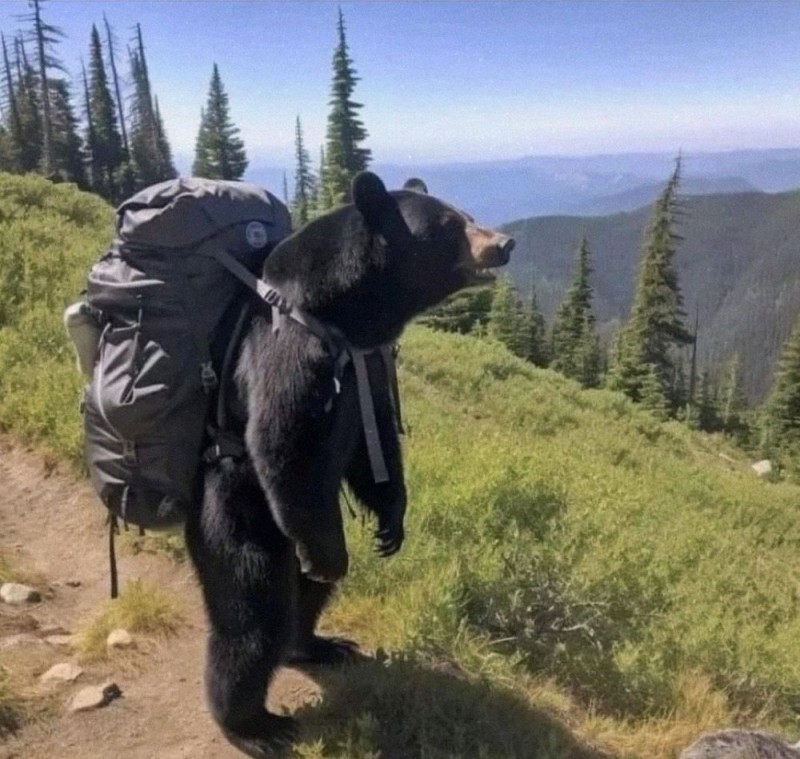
(65, 672)
(73, 583)
(14, 593)
(762, 468)
(21, 639)
(119, 639)
(94, 697)
(59, 640)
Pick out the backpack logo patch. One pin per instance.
(256, 234)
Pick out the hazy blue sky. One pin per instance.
(443, 81)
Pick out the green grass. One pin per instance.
(140, 609)
(49, 236)
(585, 568)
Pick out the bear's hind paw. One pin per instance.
(270, 738)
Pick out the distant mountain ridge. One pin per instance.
(738, 265)
(500, 191)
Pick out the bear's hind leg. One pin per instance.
(245, 566)
(308, 647)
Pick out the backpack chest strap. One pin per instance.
(341, 351)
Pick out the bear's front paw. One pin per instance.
(322, 563)
(389, 537)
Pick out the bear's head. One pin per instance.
(372, 266)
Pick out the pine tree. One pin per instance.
(534, 331)
(67, 146)
(575, 345)
(708, 418)
(781, 417)
(112, 62)
(103, 139)
(464, 312)
(732, 405)
(150, 153)
(44, 37)
(12, 137)
(505, 318)
(219, 151)
(655, 328)
(344, 157)
(303, 179)
(29, 146)
(652, 393)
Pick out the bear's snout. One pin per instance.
(488, 248)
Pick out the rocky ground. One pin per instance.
(52, 532)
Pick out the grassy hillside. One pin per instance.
(49, 236)
(737, 266)
(569, 558)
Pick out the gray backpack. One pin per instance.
(186, 251)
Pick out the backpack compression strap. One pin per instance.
(341, 351)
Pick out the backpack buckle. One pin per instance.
(129, 456)
(208, 377)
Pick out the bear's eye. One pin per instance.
(453, 224)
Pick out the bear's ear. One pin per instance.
(417, 185)
(371, 199)
(379, 209)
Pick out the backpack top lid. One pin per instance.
(182, 212)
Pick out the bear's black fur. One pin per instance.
(268, 542)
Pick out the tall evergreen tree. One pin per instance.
(219, 151)
(506, 318)
(655, 328)
(150, 153)
(112, 63)
(104, 142)
(534, 330)
(732, 405)
(44, 37)
(67, 147)
(12, 138)
(303, 179)
(575, 345)
(29, 147)
(781, 417)
(344, 156)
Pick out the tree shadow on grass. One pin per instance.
(403, 710)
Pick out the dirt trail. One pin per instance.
(51, 528)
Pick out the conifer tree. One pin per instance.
(464, 312)
(29, 147)
(12, 137)
(781, 418)
(104, 142)
(150, 153)
(505, 318)
(732, 405)
(575, 345)
(67, 146)
(534, 330)
(45, 37)
(344, 156)
(112, 62)
(219, 151)
(655, 328)
(707, 411)
(652, 393)
(303, 179)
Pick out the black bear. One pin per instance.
(268, 542)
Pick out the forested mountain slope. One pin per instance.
(738, 264)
